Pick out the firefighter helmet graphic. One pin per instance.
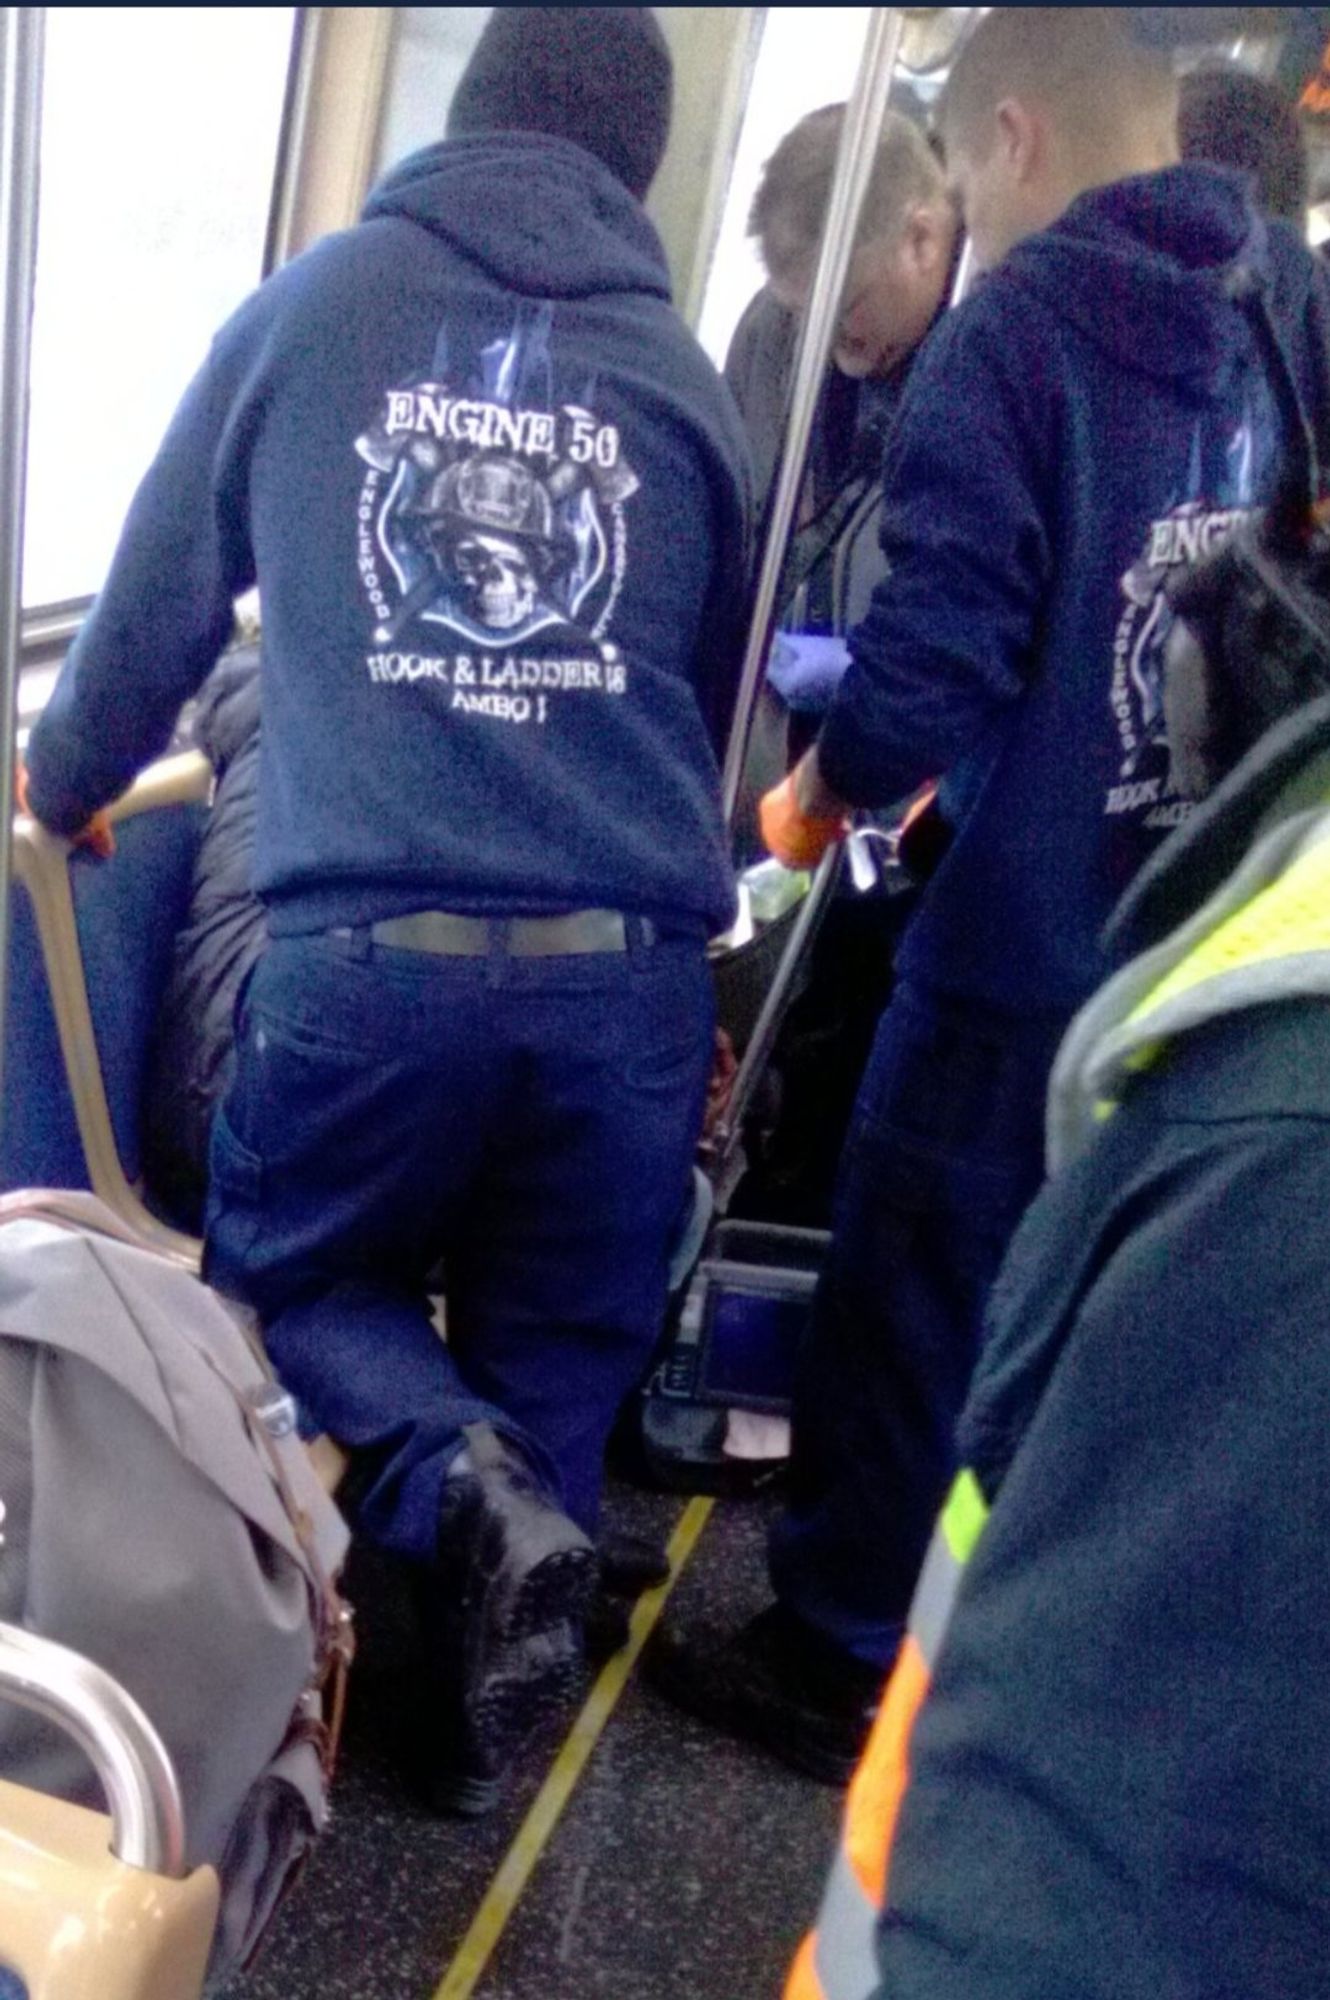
(498, 493)
(495, 520)
(491, 529)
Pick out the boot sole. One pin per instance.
(512, 1701)
(462, 1796)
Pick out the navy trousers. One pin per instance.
(945, 1153)
(532, 1122)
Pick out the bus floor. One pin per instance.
(681, 1865)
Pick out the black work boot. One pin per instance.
(628, 1565)
(504, 1623)
(458, 1764)
(778, 1683)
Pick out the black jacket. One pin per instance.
(219, 942)
(836, 532)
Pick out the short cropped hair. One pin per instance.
(1234, 119)
(792, 198)
(1081, 62)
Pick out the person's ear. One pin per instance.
(924, 241)
(1019, 139)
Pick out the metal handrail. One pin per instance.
(855, 157)
(129, 1757)
(854, 165)
(762, 1041)
(966, 272)
(22, 37)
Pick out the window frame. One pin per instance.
(46, 631)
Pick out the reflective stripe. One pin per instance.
(1272, 947)
(964, 1515)
(954, 1537)
(933, 1598)
(838, 1961)
(878, 1786)
(803, 1982)
(844, 1961)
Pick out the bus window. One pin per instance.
(431, 48)
(159, 142)
(808, 57)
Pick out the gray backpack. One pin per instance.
(161, 1518)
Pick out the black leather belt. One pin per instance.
(448, 934)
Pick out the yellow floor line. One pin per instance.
(504, 1892)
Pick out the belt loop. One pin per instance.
(500, 931)
(353, 941)
(639, 935)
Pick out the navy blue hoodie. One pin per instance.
(1095, 415)
(495, 497)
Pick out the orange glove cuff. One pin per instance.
(921, 803)
(796, 840)
(97, 836)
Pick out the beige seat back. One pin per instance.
(95, 1906)
(41, 864)
(76, 1924)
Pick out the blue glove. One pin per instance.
(806, 668)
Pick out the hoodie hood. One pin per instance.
(1141, 268)
(537, 215)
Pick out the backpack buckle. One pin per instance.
(276, 1411)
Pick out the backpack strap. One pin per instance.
(334, 1621)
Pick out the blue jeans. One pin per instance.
(945, 1153)
(531, 1121)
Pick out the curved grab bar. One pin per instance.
(129, 1757)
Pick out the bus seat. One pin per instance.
(90, 952)
(128, 914)
(90, 955)
(97, 1905)
(39, 1139)
(77, 1924)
